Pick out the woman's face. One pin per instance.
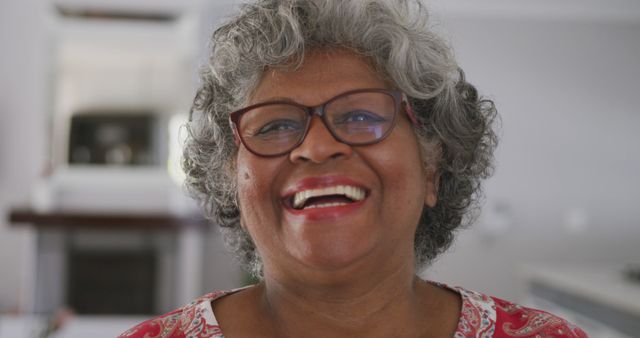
(322, 237)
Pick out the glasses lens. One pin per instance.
(361, 118)
(272, 129)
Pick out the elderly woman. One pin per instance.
(339, 147)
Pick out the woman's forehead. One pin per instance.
(321, 76)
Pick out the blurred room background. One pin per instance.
(96, 233)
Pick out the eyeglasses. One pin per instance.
(357, 118)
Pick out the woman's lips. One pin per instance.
(330, 206)
(327, 196)
(325, 212)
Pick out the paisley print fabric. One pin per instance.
(524, 322)
(195, 320)
(477, 316)
(481, 316)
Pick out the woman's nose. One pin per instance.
(319, 145)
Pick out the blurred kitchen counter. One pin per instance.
(601, 299)
(112, 220)
(168, 248)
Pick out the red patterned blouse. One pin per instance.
(480, 316)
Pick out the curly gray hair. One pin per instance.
(395, 36)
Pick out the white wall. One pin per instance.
(567, 165)
(25, 96)
(23, 53)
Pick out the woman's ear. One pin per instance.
(431, 191)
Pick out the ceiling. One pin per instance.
(590, 10)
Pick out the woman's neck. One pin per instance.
(385, 302)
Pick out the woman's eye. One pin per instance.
(278, 126)
(357, 116)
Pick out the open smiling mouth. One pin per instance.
(327, 197)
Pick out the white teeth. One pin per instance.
(325, 205)
(353, 193)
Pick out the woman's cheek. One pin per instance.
(257, 190)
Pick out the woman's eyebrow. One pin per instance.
(275, 98)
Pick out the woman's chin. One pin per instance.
(331, 255)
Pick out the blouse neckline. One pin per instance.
(477, 312)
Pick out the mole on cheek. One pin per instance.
(244, 173)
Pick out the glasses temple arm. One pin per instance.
(236, 137)
(409, 110)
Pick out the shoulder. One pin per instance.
(192, 320)
(513, 320)
(486, 316)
